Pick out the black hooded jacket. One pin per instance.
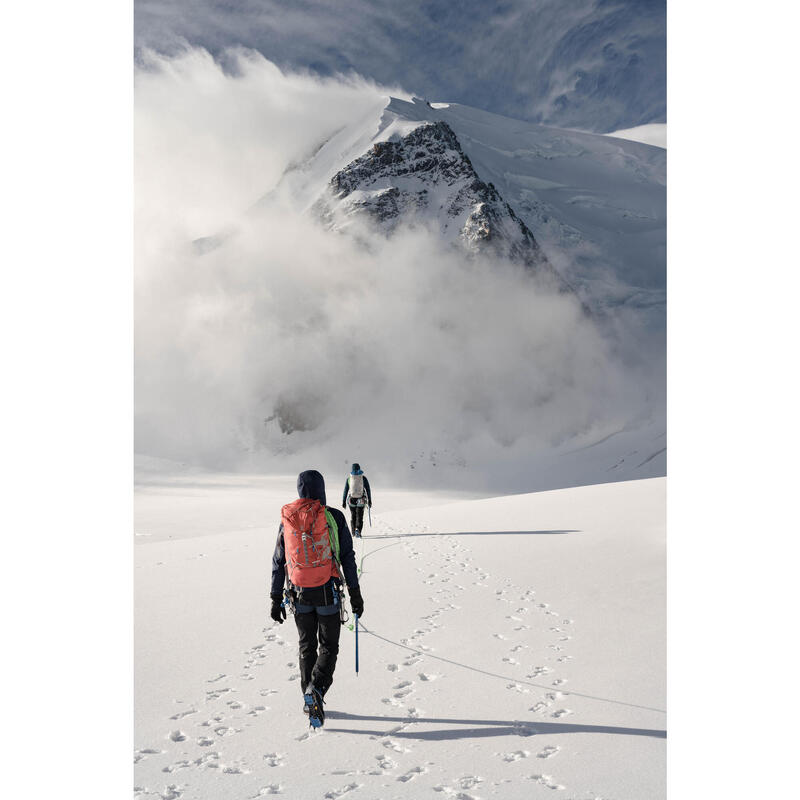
(311, 485)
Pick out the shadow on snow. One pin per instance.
(474, 533)
(479, 728)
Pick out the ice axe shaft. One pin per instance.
(356, 616)
(369, 514)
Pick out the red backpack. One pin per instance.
(307, 541)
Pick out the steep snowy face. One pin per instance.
(596, 205)
(425, 177)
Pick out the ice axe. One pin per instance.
(369, 514)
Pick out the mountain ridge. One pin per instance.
(425, 176)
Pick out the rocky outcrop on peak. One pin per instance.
(426, 178)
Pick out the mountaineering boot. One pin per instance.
(314, 707)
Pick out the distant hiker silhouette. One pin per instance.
(357, 486)
(314, 546)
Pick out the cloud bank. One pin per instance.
(289, 345)
(597, 65)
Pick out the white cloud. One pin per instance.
(401, 347)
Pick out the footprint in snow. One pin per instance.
(235, 770)
(546, 780)
(140, 755)
(392, 701)
(274, 759)
(209, 761)
(562, 712)
(517, 755)
(332, 795)
(182, 714)
(391, 744)
(385, 763)
(411, 774)
(273, 788)
(548, 751)
(177, 736)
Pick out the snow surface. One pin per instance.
(655, 133)
(513, 647)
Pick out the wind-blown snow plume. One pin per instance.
(290, 342)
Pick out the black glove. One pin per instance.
(344, 505)
(356, 601)
(278, 612)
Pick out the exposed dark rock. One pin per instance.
(426, 177)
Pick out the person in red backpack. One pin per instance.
(314, 548)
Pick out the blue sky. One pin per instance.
(597, 65)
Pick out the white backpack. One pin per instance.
(356, 486)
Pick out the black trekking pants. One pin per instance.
(318, 668)
(357, 518)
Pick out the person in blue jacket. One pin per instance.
(316, 609)
(356, 486)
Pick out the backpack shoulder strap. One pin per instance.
(333, 533)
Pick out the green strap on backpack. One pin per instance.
(333, 533)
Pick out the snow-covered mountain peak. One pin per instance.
(592, 206)
(417, 172)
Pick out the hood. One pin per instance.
(311, 484)
(355, 469)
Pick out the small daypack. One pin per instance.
(356, 486)
(311, 543)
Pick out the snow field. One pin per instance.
(512, 647)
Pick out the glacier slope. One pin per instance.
(512, 646)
